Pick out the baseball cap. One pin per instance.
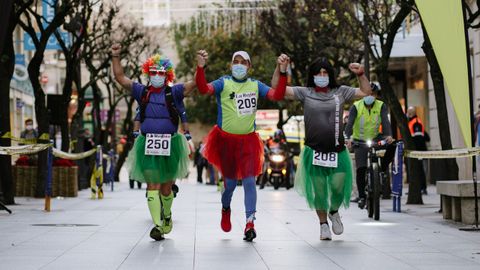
(243, 54)
(375, 87)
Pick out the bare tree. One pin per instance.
(95, 57)
(31, 22)
(10, 13)
(135, 44)
(472, 15)
(76, 26)
(384, 19)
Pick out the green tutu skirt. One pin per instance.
(324, 188)
(158, 169)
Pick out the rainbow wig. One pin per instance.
(158, 62)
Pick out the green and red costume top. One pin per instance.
(232, 145)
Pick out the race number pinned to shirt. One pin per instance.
(325, 159)
(158, 144)
(246, 103)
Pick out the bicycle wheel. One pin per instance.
(369, 190)
(376, 191)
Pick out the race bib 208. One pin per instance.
(325, 159)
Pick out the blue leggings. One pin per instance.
(250, 195)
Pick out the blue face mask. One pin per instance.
(321, 81)
(157, 81)
(369, 100)
(239, 71)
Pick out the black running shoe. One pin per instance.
(175, 190)
(361, 203)
(156, 234)
(250, 232)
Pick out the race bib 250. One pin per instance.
(158, 144)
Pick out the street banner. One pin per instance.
(444, 23)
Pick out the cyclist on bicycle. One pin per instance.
(368, 120)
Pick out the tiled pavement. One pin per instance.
(288, 235)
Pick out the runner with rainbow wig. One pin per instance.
(160, 154)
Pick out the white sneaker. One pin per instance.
(337, 226)
(325, 233)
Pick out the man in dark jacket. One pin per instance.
(420, 138)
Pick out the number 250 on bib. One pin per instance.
(158, 144)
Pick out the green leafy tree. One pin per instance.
(308, 29)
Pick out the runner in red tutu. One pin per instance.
(233, 146)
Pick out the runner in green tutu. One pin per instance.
(324, 174)
(160, 154)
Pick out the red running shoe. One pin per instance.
(250, 232)
(225, 223)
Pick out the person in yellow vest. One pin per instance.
(365, 119)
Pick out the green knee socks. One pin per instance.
(167, 204)
(153, 200)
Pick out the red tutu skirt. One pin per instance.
(236, 156)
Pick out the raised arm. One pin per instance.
(201, 81)
(365, 89)
(282, 60)
(189, 87)
(118, 69)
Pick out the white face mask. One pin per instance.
(239, 71)
(29, 127)
(321, 81)
(369, 100)
(157, 81)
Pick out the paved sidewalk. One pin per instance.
(114, 234)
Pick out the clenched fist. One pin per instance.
(283, 60)
(202, 57)
(356, 68)
(116, 48)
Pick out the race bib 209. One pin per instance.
(246, 103)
